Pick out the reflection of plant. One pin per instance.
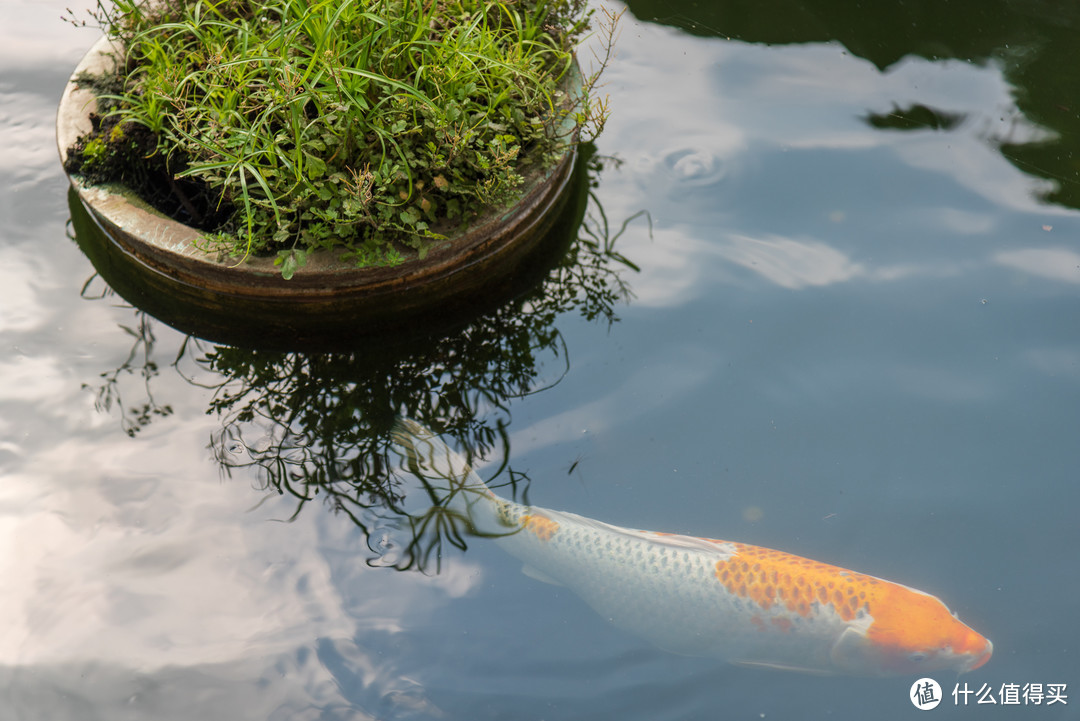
(317, 424)
(139, 362)
(596, 250)
(1033, 44)
(324, 418)
(914, 117)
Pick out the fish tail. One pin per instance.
(445, 473)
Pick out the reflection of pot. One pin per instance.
(153, 256)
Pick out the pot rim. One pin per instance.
(168, 247)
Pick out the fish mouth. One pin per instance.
(981, 660)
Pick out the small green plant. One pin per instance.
(370, 126)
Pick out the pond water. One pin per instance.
(825, 298)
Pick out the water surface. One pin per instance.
(853, 333)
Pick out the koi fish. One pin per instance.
(704, 597)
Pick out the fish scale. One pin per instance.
(699, 596)
(663, 588)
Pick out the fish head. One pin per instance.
(910, 632)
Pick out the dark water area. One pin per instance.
(824, 297)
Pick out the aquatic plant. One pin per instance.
(372, 126)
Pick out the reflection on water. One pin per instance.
(915, 117)
(853, 336)
(1033, 42)
(109, 393)
(315, 424)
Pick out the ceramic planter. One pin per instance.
(326, 292)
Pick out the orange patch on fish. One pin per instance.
(540, 526)
(905, 618)
(784, 624)
(769, 578)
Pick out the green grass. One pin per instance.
(370, 126)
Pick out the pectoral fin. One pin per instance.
(849, 651)
(539, 576)
(783, 667)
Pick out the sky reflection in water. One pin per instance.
(866, 336)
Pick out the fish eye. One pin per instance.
(917, 657)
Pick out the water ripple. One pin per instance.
(684, 168)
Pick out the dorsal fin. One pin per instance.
(725, 549)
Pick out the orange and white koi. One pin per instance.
(704, 597)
